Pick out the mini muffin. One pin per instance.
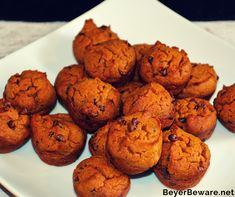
(153, 98)
(67, 77)
(196, 116)
(134, 143)
(96, 177)
(202, 82)
(30, 92)
(90, 35)
(128, 89)
(168, 66)
(97, 142)
(184, 160)
(14, 128)
(92, 103)
(57, 139)
(225, 107)
(112, 61)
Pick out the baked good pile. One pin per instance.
(146, 107)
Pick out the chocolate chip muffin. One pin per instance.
(97, 142)
(202, 82)
(153, 98)
(225, 107)
(134, 143)
(96, 177)
(14, 128)
(196, 116)
(112, 61)
(92, 103)
(184, 160)
(166, 65)
(57, 139)
(90, 35)
(67, 77)
(128, 89)
(30, 92)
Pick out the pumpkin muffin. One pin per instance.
(96, 177)
(57, 139)
(97, 142)
(67, 77)
(90, 35)
(30, 92)
(196, 116)
(134, 143)
(166, 65)
(184, 160)
(225, 107)
(202, 82)
(153, 98)
(92, 102)
(14, 128)
(112, 61)
(128, 89)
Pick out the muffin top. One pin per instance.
(153, 98)
(112, 61)
(95, 176)
(202, 82)
(168, 66)
(91, 35)
(93, 101)
(67, 77)
(196, 116)
(30, 92)
(134, 142)
(56, 136)
(14, 127)
(225, 106)
(183, 155)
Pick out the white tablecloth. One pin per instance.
(15, 35)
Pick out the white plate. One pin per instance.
(138, 21)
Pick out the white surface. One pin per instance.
(25, 175)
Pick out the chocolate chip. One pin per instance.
(11, 124)
(17, 81)
(163, 72)
(217, 77)
(3, 109)
(200, 105)
(60, 138)
(56, 123)
(102, 108)
(81, 34)
(135, 121)
(172, 137)
(7, 104)
(150, 59)
(51, 133)
(133, 124)
(94, 101)
(165, 173)
(182, 120)
(200, 168)
(24, 111)
(121, 121)
(103, 27)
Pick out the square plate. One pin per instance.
(138, 21)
